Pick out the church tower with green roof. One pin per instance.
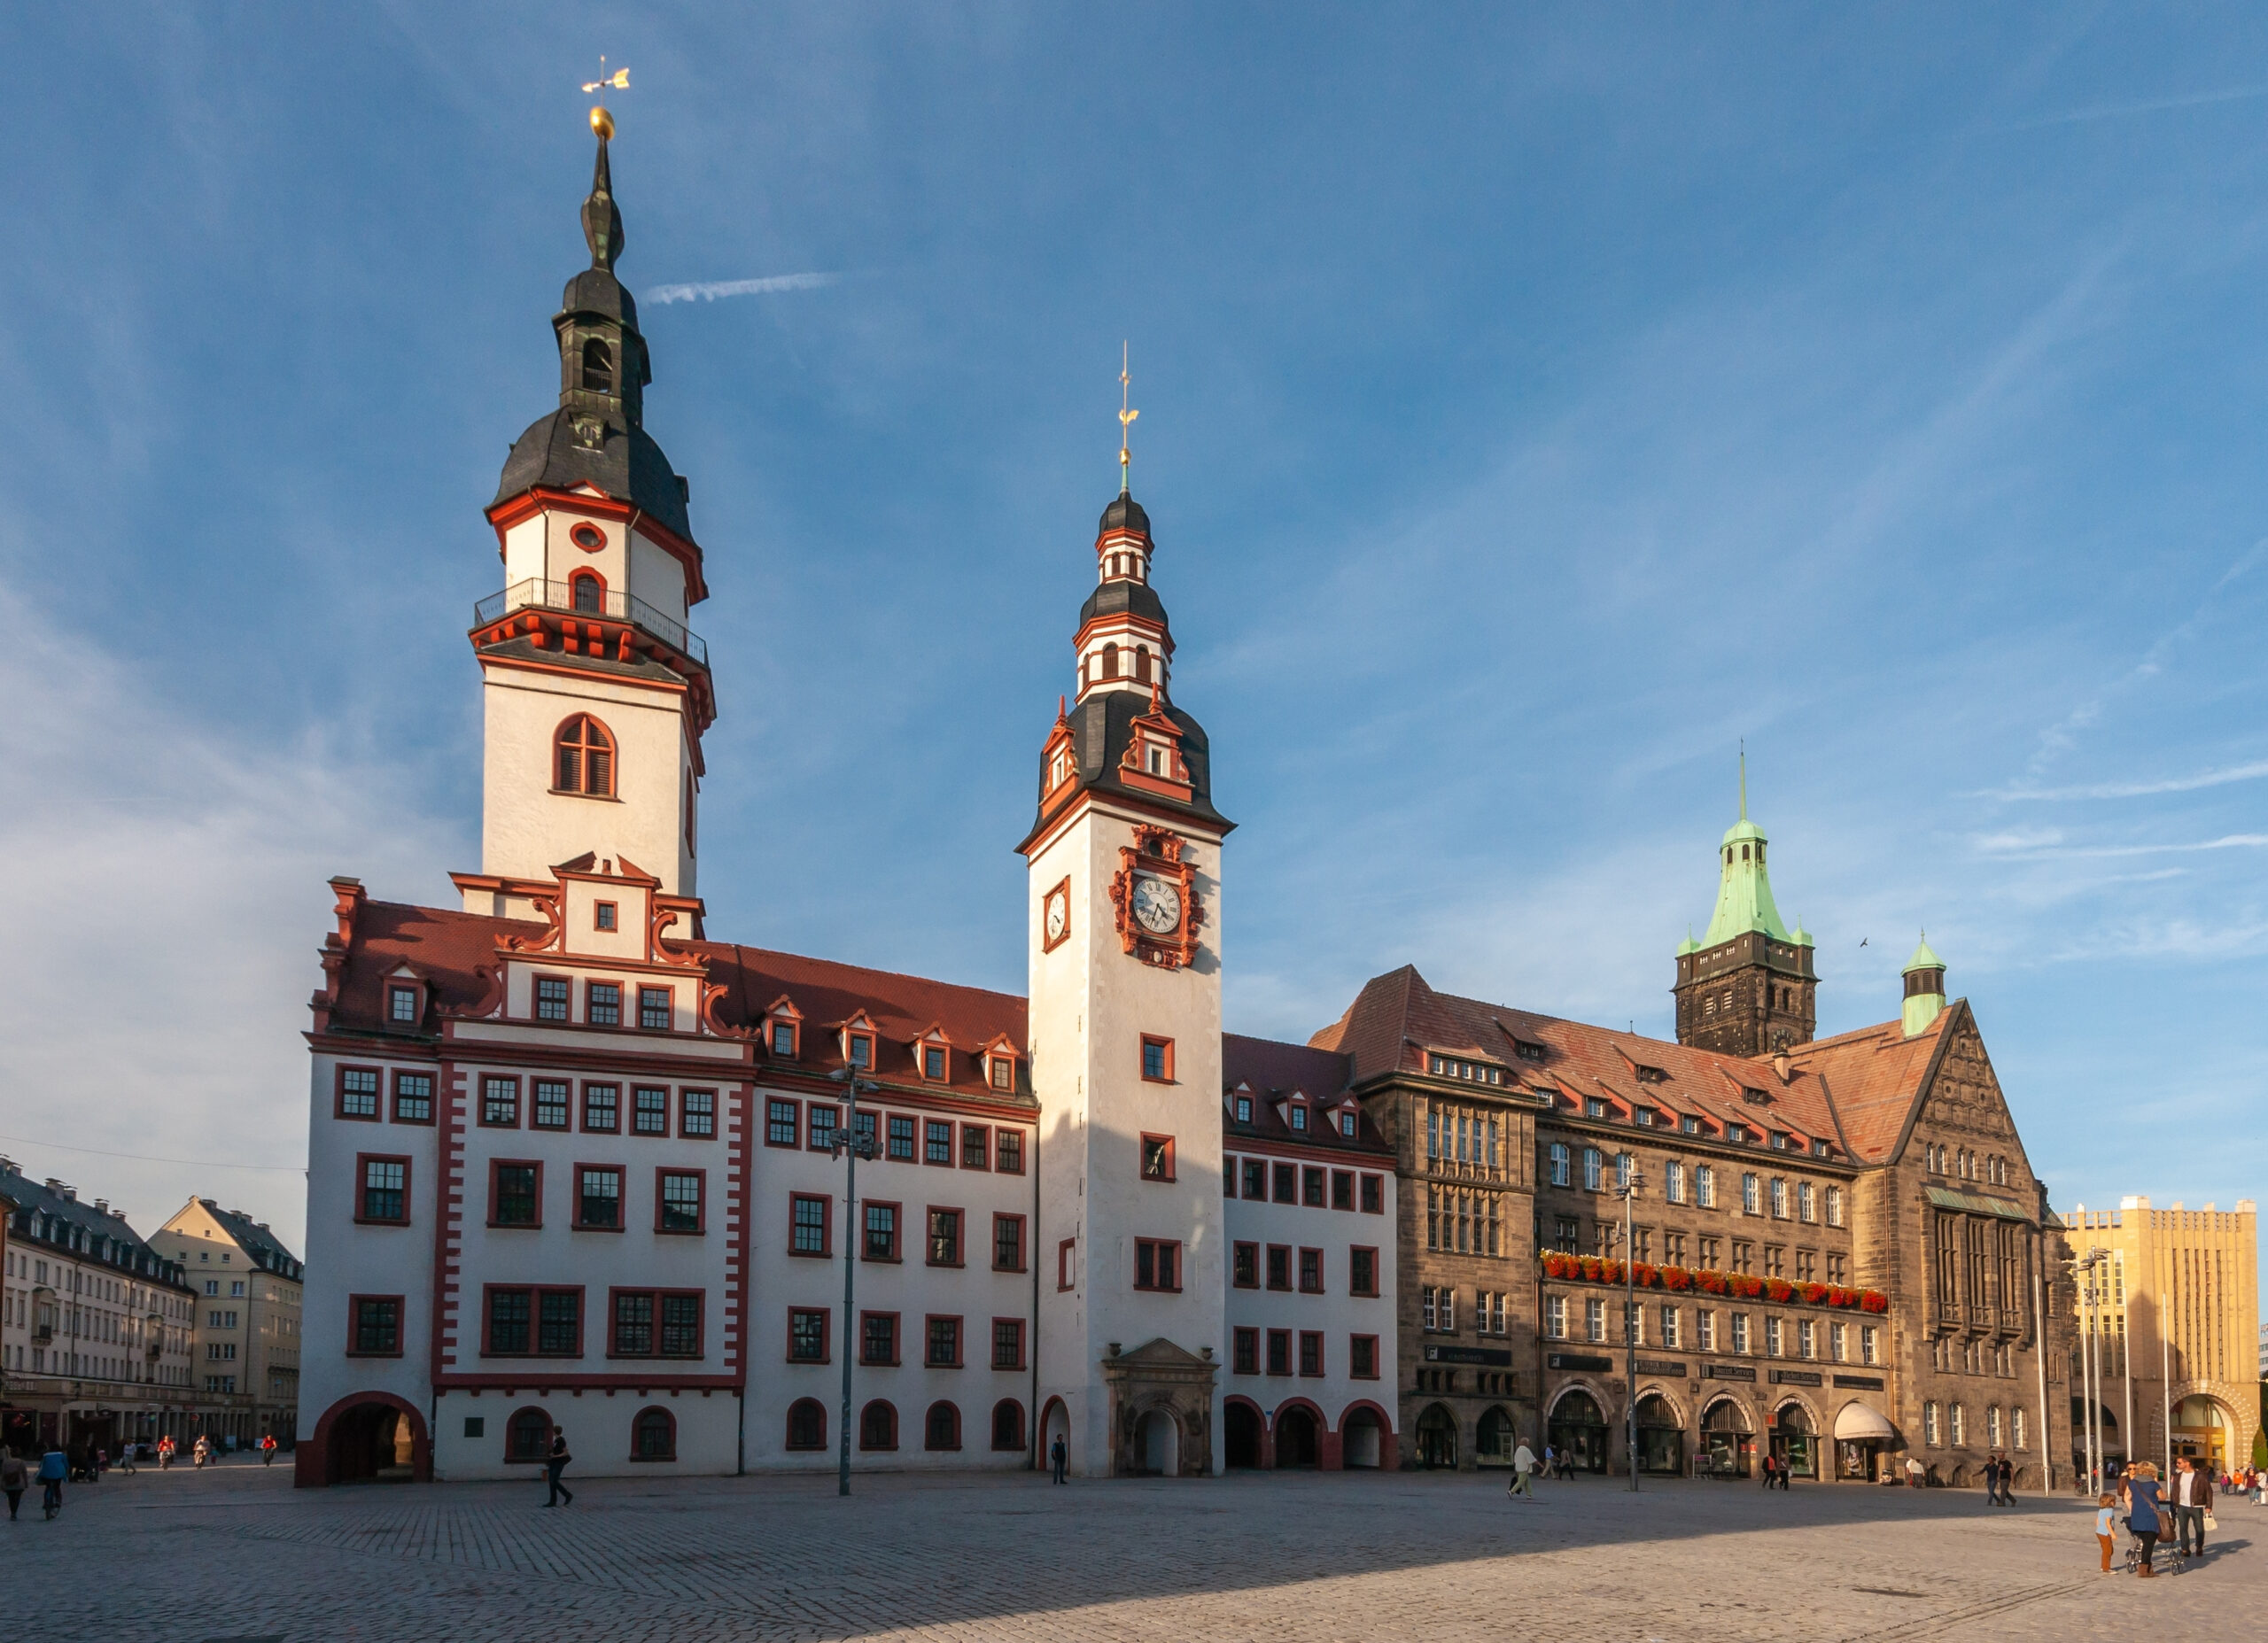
(1747, 987)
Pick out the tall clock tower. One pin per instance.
(1125, 929)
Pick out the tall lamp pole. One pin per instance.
(1626, 1187)
(849, 1145)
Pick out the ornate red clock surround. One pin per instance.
(1158, 852)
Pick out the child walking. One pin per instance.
(2102, 1528)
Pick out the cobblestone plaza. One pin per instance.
(1251, 1556)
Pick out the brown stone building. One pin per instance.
(1840, 1255)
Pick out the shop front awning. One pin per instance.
(1854, 1422)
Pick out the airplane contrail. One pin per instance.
(709, 290)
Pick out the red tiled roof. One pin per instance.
(1273, 1069)
(1874, 1076)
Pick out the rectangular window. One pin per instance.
(1244, 1267)
(1247, 1352)
(1001, 1071)
(1594, 1168)
(633, 1325)
(1311, 1187)
(1705, 1331)
(405, 1005)
(1228, 1178)
(1280, 1266)
(500, 1102)
(598, 1198)
(1279, 1352)
(937, 1142)
(603, 1004)
(976, 1147)
(882, 1231)
(1806, 1202)
(559, 1323)
(550, 998)
(1838, 1342)
(878, 1338)
(514, 1197)
(413, 1097)
(1008, 1342)
(654, 1011)
(1157, 1264)
(901, 1133)
(1740, 1332)
(941, 1346)
(602, 1109)
(1255, 1178)
(944, 1238)
(1868, 1336)
(1806, 1338)
(1930, 1423)
(1593, 1320)
(1157, 1059)
(1835, 1206)
(1067, 1263)
(862, 1049)
(933, 1063)
(677, 1200)
(1311, 1272)
(1362, 1357)
(1674, 1182)
(808, 1221)
(806, 1335)
(1362, 1271)
(1749, 1189)
(651, 1111)
(783, 1040)
(681, 1325)
(1008, 1152)
(1670, 1337)
(1775, 1338)
(1007, 1243)
(548, 1103)
(783, 1123)
(1779, 1198)
(358, 1092)
(509, 1314)
(377, 1326)
(1705, 1186)
(823, 1124)
(1310, 1351)
(1342, 1188)
(1157, 1158)
(603, 915)
(697, 1114)
(1286, 1181)
(1557, 1164)
(1374, 1194)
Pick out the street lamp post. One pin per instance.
(851, 1147)
(1626, 1187)
(2090, 1363)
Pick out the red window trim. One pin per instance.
(826, 1315)
(1269, 1356)
(536, 980)
(1165, 1044)
(1243, 1333)
(630, 1111)
(1346, 1175)
(960, 1239)
(582, 1119)
(659, 1293)
(1156, 1245)
(968, 1131)
(1291, 1279)
(400, 1323)
(637, 1420)
(416, 990)
(952, 1135)
(826, 1251)
(670, 996)
(1371, 1251)
(897, 1230)
(788, 1444)
(961, 1339)
(896, 1340)
(376, 1114)
(701, 1175)
(1067, 1265)
(891, 1446)
(613, 750)
(1022, 1344)
(516, 1226)
(1322, 1356)
(795, 1145)
(1023, 1248)
(1141, 1158)
(552, 1129)
(536, 1292)
(795, 1026)
(480, 1100)
(951, 1448)
(1352, 1373)
(432, 1078)
(590, 981)
(598, 922)
(549, 1426)
(575, 1221)
(1371, 1176)
(1299, 1273)
(1022, 1139)
(716, 1113)
(1243, 1244)
(1018, 1447)
(921, 1049)
(408, 1174)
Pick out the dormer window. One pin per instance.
(1347, 1123)
(933, 1057)
(1819, 1149)
(1298, 1115)
(1779, 1142)
(1243, 1109)
(603, 915)
(1689, 1124)
(1736, 1132)
(1595, 1108)
(1001, 1071)
(858, 1049)
(1652, 1075)
(403, 1004)
(1643, 1115)
(1059, 768)
(1527, 1052)
(1157, 761)
(783, 1039)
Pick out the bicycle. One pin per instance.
(52, 1499)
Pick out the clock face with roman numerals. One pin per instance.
(1157, 905)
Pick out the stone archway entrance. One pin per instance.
(1161, 1380)
(1159, 1435)
(1437, 1437)
(367, 1438)
(1296, 1441)
(2204, 1431)
(1242, 1434)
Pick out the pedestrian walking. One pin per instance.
(1058, 1460)
(54, 1467)
(556, 1466)
(268, 1448)
(2105, 1533)
(126, 1457)
(2139, 1489)
(1523, 1472)
(1765, 1470)
(1912, 1472)
(2193, 1500)
(15, 1478)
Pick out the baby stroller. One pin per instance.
(2171, 1557)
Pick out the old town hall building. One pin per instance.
(577, 1166)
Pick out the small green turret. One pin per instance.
(1925, 987)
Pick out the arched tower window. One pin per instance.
(585, 762)
(1110, 662)
(598, 367)
(1142, 663)
(586, 593)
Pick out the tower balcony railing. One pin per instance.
(584, 599)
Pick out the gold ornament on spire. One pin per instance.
(1126, 415)
(602, 122)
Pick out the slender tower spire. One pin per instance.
(1126, 415)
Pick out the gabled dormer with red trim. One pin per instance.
(1001, 1060)
(783, 1029)
(933, 1056)
(1152, 762)
(858, 1042)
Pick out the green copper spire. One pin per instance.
(1923, 959)
(1926, 989)
(1744, 889)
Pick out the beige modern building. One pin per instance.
(2176, 1323)
(246, 1348)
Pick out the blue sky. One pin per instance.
(1534, 404)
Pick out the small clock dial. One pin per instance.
(1059, 917)
(1157, 905)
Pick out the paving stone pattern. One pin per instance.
(235, 1556)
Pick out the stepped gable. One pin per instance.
(1876, 1077)
(1272, 1070)
(1397, 1019)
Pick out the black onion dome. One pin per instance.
(1123, 514)
(1122, 596)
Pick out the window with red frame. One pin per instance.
(650, 1110)
(413, 1097)
(878, 1426)
(976, 1147)
(383, 1194)
(934, 1063)
(1362, 1271)
(377, 1327)
(1247, 1360)
(656, 1323)
(534, 1322)
(941, 1428)
(783, 1123)
(1067, 1263)
(500, 1102)
(655, 1009)
(1311, 1187)
(515, 1193)
(1008, 1243)
(1362, 1357)
(783, 1040)
(937, 1142)
(549, 1102)
(944, 1238)
(1157, 1158)
(1311, 1272)
(881, 1232)
(603, 1004)
(808, 1221)
(602, 1109)
(653, 1436)
(1007, 1425)
(1244, 1267)
(878, 1338)
(1279, 1352)
(697, 1114)
(1008, 1342)
(1157, 1059)
(598, 1198)
(941, 1343)
(586, 758)
(551, 998)
(1342, 1188)
(1374, 1194)
(1157, 1263)
(1310, 1353)
(358, 1092)
(807, 1334)
(679, 1201)
(1287, 1184)
(404, 1004)
(1008, 1152)
(1280, 1266)
(807, 1424)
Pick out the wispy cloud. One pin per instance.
(2018, 844)
(2137, 789)
(2126, 110)
(709, 290)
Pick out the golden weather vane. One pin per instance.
(602, 121)
(1126, 415)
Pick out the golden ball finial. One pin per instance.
(603, 123)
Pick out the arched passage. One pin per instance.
(366, 1437)
(1297, 1437)
(1363, 1440)
(1242, 1427)
(2203, 1429)
(1727, 1447)
(1661, 1436)
(1437, 1437)
(1159, 1437)
(1054, 1424)
(1578, 1429)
